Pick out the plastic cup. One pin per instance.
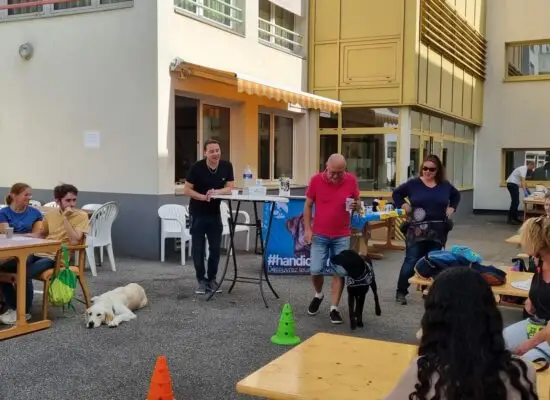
(235, 193)
(9, 232)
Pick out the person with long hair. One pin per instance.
(18, 214)
(529, 338)
(462, 353)
(431, 202)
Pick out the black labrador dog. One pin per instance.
(360, 277)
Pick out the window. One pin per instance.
(226, 13)
(514, 158)
(372, 158)
(275, 146)
(528, 61)
(278, 26)
(56, 7)
(215, 125)
(328, 144)
(414, 164)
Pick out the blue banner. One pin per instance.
(287, 251)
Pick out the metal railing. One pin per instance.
(280, 36)
(38, 8)
(218, 11)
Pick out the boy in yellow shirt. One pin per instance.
(65, 224)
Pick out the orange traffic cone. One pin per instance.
(161, 384)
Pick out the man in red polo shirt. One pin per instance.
(330, 233)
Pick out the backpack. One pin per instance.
(62, 284)
(436, 261)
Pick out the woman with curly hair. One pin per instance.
(529, 338)
(462, 355)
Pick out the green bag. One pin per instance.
(62, 285)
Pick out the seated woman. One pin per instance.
(23, 219)
(529, 337)
(462, 353)
(19, 215)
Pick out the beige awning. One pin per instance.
(256, 87)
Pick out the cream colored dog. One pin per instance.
(116, 306)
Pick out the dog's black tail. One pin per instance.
(374, 288)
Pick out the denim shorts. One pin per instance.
(322, 248)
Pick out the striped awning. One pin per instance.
(253, 86)
(256, 87)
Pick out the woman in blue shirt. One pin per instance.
(19, 215)
(432, 200)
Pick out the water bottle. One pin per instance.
(247, 177)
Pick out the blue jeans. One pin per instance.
(322, 248)
(413, 253)
(516, 334)
(35, 266)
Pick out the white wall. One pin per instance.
(200, 43)
(515, 113)
(95, 71)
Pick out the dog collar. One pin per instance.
(362, 277)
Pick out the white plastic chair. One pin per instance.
(172, 225)
(99, 234)
(52, 204)
(35, 203)
(91, 207)
(224, 208)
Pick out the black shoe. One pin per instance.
(401, 298)
(313, 308)
(213, 286)
(335, 317)
(201, 288)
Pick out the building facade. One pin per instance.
(118, 97)
(410, 76)
(517, 92)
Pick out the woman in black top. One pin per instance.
(529, 337)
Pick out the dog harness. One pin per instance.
(363, 280)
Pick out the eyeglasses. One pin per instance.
(426, 169)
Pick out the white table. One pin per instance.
(257, 223)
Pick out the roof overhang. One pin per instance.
(256, 87)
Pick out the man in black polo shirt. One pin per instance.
(207, 177)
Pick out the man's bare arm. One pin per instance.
(188, 190)
(308, 207)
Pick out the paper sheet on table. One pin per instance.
(21, 238)
(522, 285)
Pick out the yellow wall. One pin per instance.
(356, 50)
(369, 53)
(444, 86)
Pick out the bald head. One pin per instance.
(336, 161)
(336, 167)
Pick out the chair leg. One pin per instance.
(91, 259)
(45, 300)
(85, 290)
(182, 250)
(248, 240)
(111, 256)
(162, 242)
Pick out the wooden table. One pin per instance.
(503, 290)
(328, 367)
(21, 248)
(536, 204)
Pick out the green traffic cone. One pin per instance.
(285, 331)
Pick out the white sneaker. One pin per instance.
(10, 317)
